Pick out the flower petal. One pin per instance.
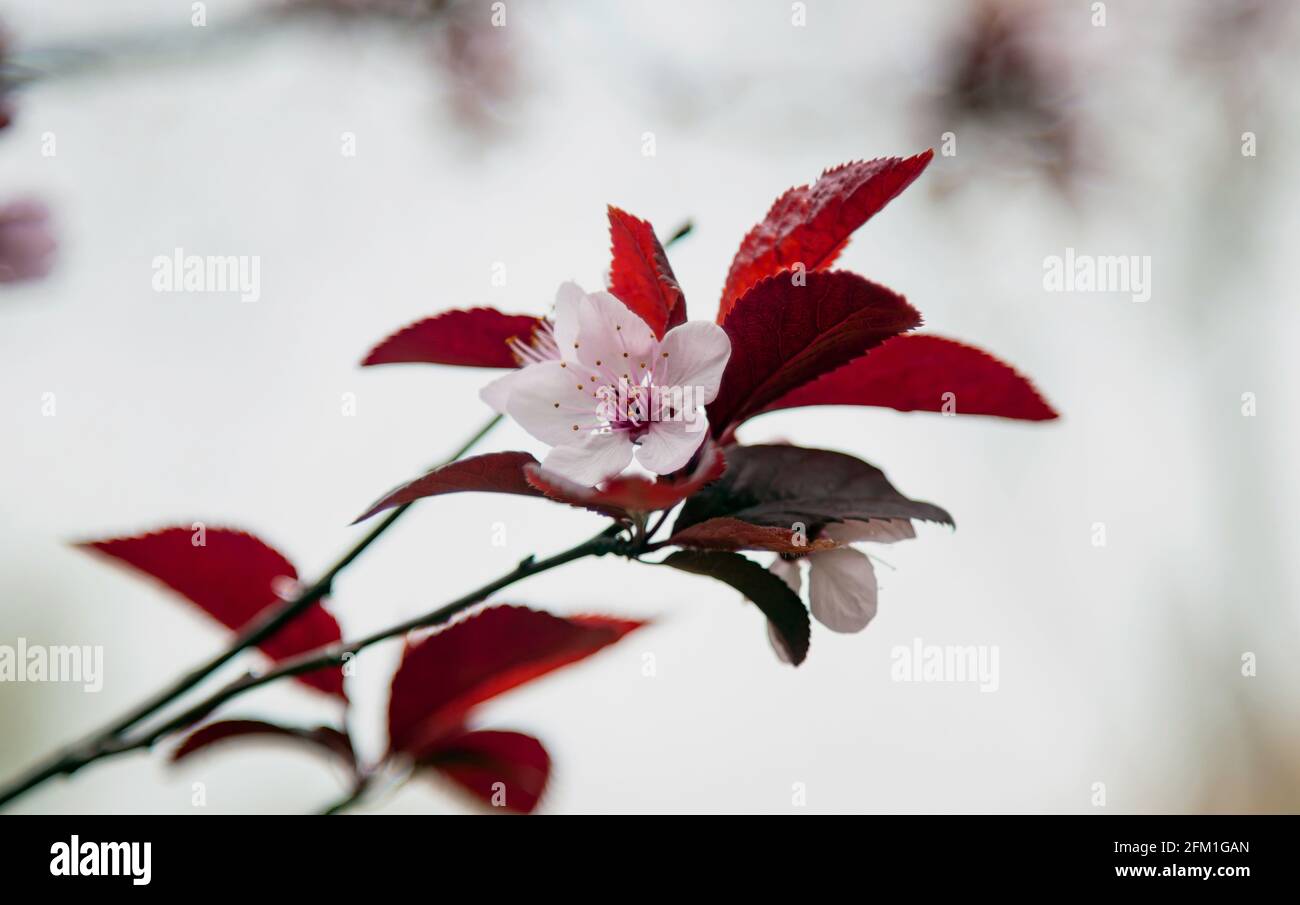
(497, 393)
(613, 341)
(568, 299)
(554, 403)
(842, 589)
(694, 355)
(669, 445)
(597, 457)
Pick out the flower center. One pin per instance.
(633, 408)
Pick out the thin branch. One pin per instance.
(267, 624)
(336, 654)
(348, 800)
(680, 233)
(330, 655)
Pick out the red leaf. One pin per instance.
(811, 224)
(477, 761)
(640, 275)
(726, 533)
(325, 738)
(620, 496)
(783, 336)
(443, 676)
(475, 338)
(232, 577)
(914, 372)
(500, 472)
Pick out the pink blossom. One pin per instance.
(600, 388)
(26, 241)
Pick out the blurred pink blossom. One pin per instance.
(26, 241)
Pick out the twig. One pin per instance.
(267, 624)
(335, 654)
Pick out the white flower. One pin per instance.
(841, 581)
(599, 388)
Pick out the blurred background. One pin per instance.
(1113, 129)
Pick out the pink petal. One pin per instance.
(597, 457)
(694, 355)
(842, 589)
(613, 341)
(554, 403)
(568, 298)
(497, 393)
(669, 445)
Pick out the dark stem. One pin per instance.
(680, 233)
(331, 655)
(358, 792)
(657, 524)
(335, 654)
